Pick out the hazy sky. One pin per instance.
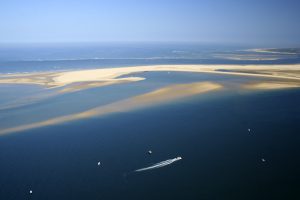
(213, 21)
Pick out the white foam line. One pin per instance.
(160, 164)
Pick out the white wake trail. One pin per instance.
(160, 164)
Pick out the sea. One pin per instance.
(234, 144)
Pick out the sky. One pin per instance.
(269, 22)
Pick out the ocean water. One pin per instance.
(49, 57)
(221, 158)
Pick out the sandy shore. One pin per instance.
(108, 76)
(166, 94)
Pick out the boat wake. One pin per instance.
(160, 164)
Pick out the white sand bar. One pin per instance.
(111, 75)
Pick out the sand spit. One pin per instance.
(108, 76)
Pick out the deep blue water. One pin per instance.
(221, 159)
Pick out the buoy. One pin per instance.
(150, 152)
(249, 129)
(30, 191)
(99, 163)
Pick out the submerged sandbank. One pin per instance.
(162, 95)
(270, 85)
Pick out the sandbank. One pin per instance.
(270, 85)
(111, 75)
(162, 95)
